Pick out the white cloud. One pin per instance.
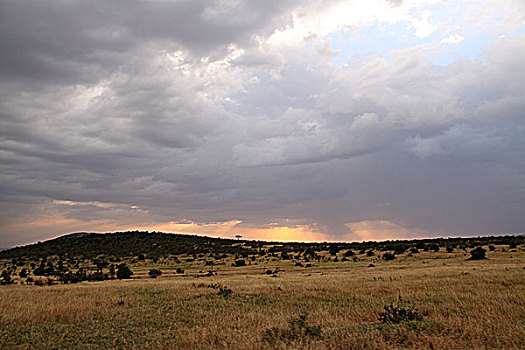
(423, 28)
(452, 39)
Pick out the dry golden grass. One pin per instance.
(465, 305)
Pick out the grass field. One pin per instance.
(331, 305)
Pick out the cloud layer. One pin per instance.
(338, 120)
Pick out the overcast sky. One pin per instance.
(293, 120)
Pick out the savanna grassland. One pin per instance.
(433, 300)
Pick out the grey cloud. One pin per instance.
(117, 107)
(70, 41)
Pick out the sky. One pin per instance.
(311, 120)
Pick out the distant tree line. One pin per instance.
(155, 245)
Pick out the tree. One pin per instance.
(349, 253)
(400, 249)
(123, 271)
(238, 237)
(23, 273)
(238, 263)
(154, 273)
(477, 254)
(414, 250)
(388, 256)
(6, 278)
(101, 264)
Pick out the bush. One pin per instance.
(6, 278)
(238, 263)
(434, 247)
(154, 273)
(399, 249)
(70, 277)
(492, 248)
(349, 253)
(224, 291)
(297, 328)
(388, 256)
(39, 271)
(370, 253)
(477, 254)
(39, 283)
(396, 314)
(97, 276)
(179, 270)
(123, 272)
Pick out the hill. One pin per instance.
(123, 244)
(157, 244)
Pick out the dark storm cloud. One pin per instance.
(72, 41)
(129, 113)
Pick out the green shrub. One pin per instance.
(395, 314)
(297, 328)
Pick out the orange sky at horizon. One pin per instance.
(371, 230)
